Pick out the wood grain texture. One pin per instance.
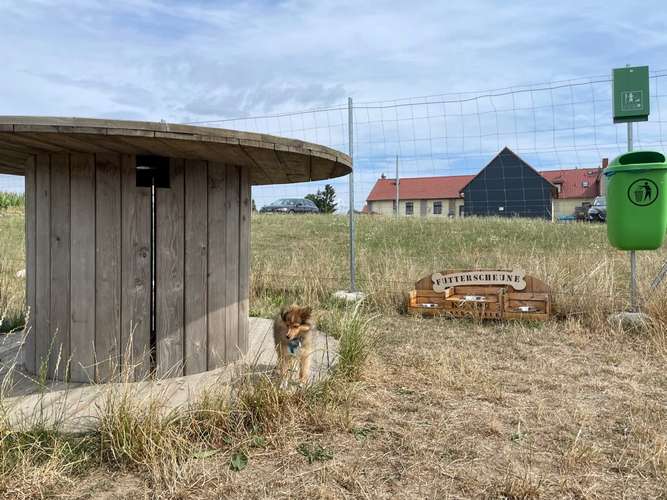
(59, 331)
(216, 264)
(255, 151)
(232, 200)
(31, 259)
(196, 268)
(169, 225)
(136, 269)
(244, 260)
(42, 261)
(82, 327)
(107, 266)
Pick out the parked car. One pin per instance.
(291, 206)
(598, 210)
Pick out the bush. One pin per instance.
(9, 200)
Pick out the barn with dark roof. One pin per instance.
(509, 187)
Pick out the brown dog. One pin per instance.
(292, 333)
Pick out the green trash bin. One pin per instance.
(637, 200)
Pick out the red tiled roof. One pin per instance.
(572, 182)
(444, 187)
(419, 188)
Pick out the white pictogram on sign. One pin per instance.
(632, 100)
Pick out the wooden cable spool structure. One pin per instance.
(153, 278)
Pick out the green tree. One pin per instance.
(325, 200)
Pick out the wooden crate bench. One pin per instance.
(492, 301)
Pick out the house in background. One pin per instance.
(506, 186)
(422, 196)
(575, 187)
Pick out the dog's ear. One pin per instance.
(305, 313)
(283, 312)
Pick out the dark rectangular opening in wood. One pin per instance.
(152, 170)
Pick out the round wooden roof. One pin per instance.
(271, 159)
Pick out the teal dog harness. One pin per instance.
(294, 345)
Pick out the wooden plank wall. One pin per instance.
(196, 266)
(244, 259)
(42, 261)
(31, 259)
(88, 262)
(60, 267)
(169, 252)
(202, 298)
(136, 273)
(107, 266)
(231, 251)
(217, 177)
(82, 267)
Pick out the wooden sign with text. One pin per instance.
(515, 279)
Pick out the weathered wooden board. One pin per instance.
(136, 270)
(108, 266)
(60, 267)
(232, 201)
(169, 250)
(216, 264)
(196, 266)
(31, 259)
(43, 260)
(244, 259)
(265, 161)
(82, 327)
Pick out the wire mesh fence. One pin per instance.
(550, 126)
(555, 125)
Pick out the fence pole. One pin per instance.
(350, 126)
(634, 306)
(397, 189)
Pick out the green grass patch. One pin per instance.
(11, 200)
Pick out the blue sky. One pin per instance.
(195, 61)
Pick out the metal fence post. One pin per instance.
(634, 304)
(350, 126)
(398, 206)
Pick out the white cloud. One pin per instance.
(202, 60)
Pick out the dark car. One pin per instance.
(598, 210)
(291, 206)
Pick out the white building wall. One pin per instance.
(386, 207)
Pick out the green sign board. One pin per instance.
(631, 94)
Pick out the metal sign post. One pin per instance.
(631, 103)
(634, 305)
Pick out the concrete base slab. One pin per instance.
(76, 407)
(630, 321)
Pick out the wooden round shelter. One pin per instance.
(138, 239)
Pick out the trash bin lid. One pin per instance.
(637, 162)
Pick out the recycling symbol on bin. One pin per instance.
(643, 192)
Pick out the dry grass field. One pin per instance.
(419, 408)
